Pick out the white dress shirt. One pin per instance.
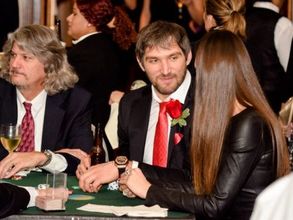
(58, 162)
(282, 35)
(276, 201)
(180, 95)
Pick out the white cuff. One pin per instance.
(57, 164)
(134, 164)
(33, 194)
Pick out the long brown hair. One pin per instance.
(228, 14)
(225, 74)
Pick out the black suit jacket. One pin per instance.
(97, 61)
(67, 122)
(133, 119)
(13, 199)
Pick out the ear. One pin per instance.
(140, 64)
(209, 22)
(89, 24)
(189, 57)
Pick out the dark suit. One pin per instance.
(96, 60)
(67, 121)
(13, 199)
(264, 56)
(133, 119)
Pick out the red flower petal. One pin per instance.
(174, 109)
(177, 137)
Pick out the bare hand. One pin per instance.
(289, 130)
(124, 188)
(83, 167)
(18, 161)
(115, 97)
(60, 193)
(93, 179)
(135, 182)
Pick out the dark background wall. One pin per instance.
(8, 19)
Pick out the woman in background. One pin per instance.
(101, 33)
(237, 148)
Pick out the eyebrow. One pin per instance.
(170, 55)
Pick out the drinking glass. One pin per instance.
(58, 195)
(10, 136)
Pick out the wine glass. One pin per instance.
(10, 136)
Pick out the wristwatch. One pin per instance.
(121, 163)
(48, 154)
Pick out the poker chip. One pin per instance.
(43, 186)
(113, 186)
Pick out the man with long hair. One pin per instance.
(37, 92)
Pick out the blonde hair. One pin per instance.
(228, 14)
(43, 43)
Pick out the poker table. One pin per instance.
(103, 197)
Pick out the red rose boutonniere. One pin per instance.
(174, 109)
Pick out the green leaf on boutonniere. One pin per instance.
(181, 120)
(185, 113)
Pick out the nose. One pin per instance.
(68, 19)
(14, 62)
(165, 66)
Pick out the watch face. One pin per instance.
(121, 160)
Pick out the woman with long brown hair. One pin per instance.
(237, 144)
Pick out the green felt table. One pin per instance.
(103, 197)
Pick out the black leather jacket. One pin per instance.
(246, 169)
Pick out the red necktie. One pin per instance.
(28, 129)
(160, 152)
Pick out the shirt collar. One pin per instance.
(84, 37)
(267, 5)
(179, 94)
(37, 102)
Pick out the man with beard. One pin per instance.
(146, 133)
(38, 92)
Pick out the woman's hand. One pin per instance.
(134, 182)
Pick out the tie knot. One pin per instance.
(163, 106)
(27, 106)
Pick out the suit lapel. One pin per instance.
(188, 103)
(9, 108)
(141, 119)
(54, 114)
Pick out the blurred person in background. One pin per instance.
(100, 32)
(269, 39)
